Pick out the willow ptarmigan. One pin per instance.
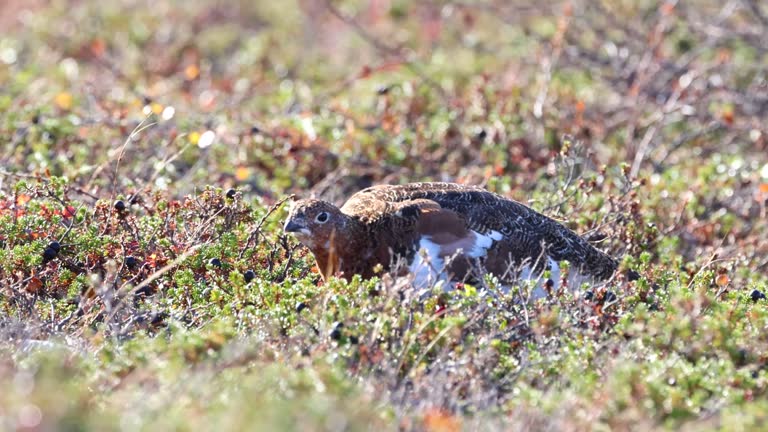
(439, 231)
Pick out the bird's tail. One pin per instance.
(598, 263)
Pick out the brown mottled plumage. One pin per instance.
(467, 230)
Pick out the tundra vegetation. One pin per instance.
(147, 148)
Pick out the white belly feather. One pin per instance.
(429, 264)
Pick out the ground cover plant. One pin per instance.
(148, 149)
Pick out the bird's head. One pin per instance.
(316, 223)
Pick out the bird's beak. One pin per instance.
(292, 227)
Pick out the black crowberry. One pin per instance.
(55, 246)
(49, 254)
(249, 275)
(757, 295)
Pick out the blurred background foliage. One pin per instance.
(145, 147)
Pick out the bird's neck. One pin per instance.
(343, 247)
(327, 262)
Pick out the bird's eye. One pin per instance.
(322, 217)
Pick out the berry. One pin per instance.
(609, 297)
(119, 205)
(588, 295)
(481, 134)
(215, 262)
(49, 254)
(55, 246)
(231, 193)
(741, 356)
(336, 331)
(131, 261)
(757, 295)
(354, 340)
(249, 275)
(255, 130)
(300, 306)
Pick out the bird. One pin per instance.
(439, 231)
